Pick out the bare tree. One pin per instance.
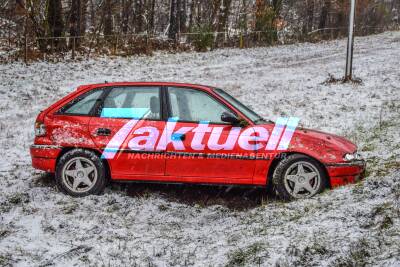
(55, 21)
(152, 15)
(77, 19)
(108, 20)
(37, 21)
(309, 15)
(126, 15)
(138, 17)
(173, 27)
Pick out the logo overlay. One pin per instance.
(134, 137)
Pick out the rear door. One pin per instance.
(127, 127)
(69, 125)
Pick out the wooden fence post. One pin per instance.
(73, 47)
(9, 36)
(241, 45)
(116, 45)
(26, 49)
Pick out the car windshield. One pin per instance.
(257, 119)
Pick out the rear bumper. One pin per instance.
(44, 157)
(345, 173)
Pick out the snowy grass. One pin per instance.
(159, 225)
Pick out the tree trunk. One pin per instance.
(74, 19)
(173, 27)
(309, 18)
(214, 15)
(222, 21)
(199, 11)
(243, 16)
(83, 16)
(178, 15)
(54, 18)
(108, 23)
(77, 19)
(138, 16)
(324, 15)
(341, 15)
(126, 11)
(192, 14)
(36, 25)
(182, 16)
(152, 15)
(92, 14)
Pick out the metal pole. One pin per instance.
(350, 42)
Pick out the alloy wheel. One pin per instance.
(79, 175)
(302, 179)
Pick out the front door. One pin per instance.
(126, 130)
(199, 145)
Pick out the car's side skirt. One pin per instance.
(192, 179)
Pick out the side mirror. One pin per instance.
(229, 117)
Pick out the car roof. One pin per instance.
(175, 84)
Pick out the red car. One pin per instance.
(182, 133)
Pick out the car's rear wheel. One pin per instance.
(298, 176)
(80, 173)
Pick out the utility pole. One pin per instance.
(350, 42)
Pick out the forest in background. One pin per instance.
(40, 28)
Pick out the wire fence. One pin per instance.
(30, 48)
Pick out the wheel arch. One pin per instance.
(279, 157)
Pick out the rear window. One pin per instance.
(83, 104)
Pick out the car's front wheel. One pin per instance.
(80, 173)
(298, 176)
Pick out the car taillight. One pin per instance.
(40, 129)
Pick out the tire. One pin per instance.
(81, 173)
(298, 176)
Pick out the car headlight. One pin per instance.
(351, 157)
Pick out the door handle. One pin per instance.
(103, 132)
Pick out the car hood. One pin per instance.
(331, 141)
(326, 147)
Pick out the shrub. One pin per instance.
(201, 38)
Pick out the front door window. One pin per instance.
(191, 105)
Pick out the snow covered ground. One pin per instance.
(155, 225)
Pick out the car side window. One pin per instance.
(82, 105)
(132, 102)
(194, 106)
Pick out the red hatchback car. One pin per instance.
(182, 133)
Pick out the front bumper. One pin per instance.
(44, 157)
(345, 173)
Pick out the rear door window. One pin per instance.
(132, 102)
